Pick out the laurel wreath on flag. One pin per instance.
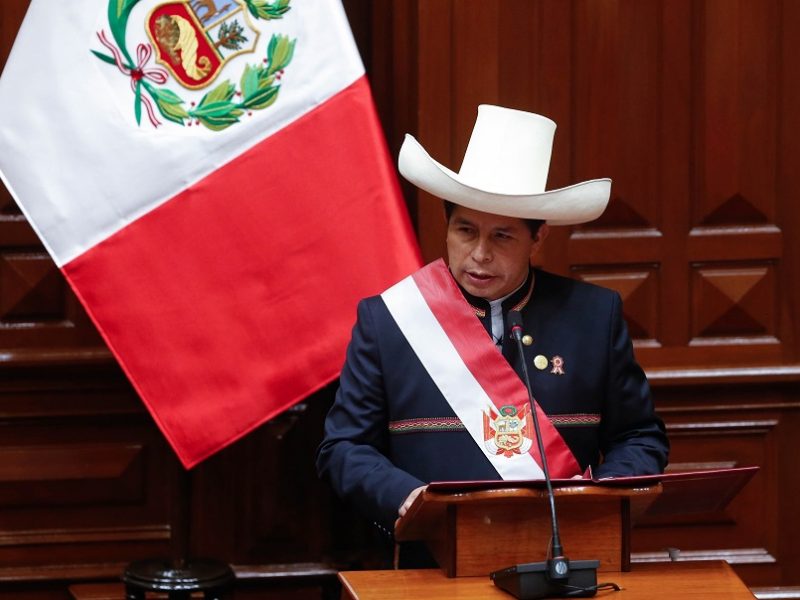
(259, 84)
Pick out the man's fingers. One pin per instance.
(409, 501)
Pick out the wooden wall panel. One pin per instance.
(432, 66)
(715, 425)
(751, 520)
(88, 484)
(264, 509)
(688, 105)
(639, 289)
(675, 102)
(616, 106)
(733, 301)
(38, 312)
(735, 118)
(86, 481)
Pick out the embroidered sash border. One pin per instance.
(426, 425)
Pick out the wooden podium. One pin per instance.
(474, 528)
(476, 532)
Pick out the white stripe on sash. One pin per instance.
(459, 387)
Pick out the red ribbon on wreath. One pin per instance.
(154, 74)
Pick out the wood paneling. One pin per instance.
(748, 422)
(88, 484)
(639, 290)
(38, 312)
(682, 106)
(85, 477)
(690, 106)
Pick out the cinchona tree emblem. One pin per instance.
(193, 40)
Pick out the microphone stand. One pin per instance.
(556, 576)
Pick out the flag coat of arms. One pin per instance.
(211, 179)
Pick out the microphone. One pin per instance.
(556, 576)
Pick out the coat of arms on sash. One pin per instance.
(194, 40)
(508, 431)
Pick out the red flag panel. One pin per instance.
(234, 299)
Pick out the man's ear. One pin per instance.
(541, 236)
(538, 241)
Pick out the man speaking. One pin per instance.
(431, 388)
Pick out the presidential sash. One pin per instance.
(483, 390)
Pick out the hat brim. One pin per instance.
(572, 205)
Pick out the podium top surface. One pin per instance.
(683, 493)
(734, 478)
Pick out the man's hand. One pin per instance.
(410, 500)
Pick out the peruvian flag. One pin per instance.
(211, 178)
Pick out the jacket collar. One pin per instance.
(516, 301)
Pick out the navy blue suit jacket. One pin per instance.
(390, 430)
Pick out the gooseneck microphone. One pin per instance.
(556, 576)
(557, 564)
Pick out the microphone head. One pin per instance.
(514, 319)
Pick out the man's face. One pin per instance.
(489, 255)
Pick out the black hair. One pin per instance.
(533, 224)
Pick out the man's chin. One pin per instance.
(487, 292)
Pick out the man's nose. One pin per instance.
(482, 251)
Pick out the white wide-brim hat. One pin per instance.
(505, 170)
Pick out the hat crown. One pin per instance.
(509, 151)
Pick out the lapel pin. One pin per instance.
(558, 366)
(540, 362)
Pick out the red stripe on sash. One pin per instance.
(487, 365)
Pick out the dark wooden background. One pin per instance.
(690, 106)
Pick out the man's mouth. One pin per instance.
(482, 277)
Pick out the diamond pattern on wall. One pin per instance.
(735, 210)
(639, 293)
(733, 301)
(31, 288)
(620, 214)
